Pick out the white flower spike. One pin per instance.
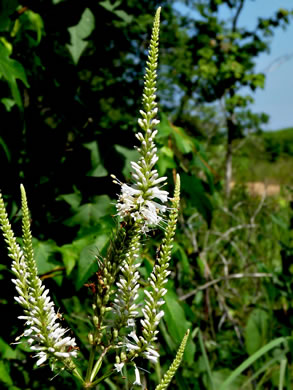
(139, 201)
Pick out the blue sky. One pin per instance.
(277, 97)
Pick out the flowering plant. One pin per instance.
(141, 207)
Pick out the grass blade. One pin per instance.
(248, 362)
(283, 364)
(206, 360)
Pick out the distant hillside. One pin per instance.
(278, 143)
(267, 157)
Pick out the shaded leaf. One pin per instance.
(43, 251)
(221, 375)
(89, 213)
(33, 21)
(129, 155)
(7, 9)
(5, 149)
(108, 6)
(5, 374)
(98, 169)
(72, 199)
(8, 103)
(6, 351)
(193, 189)
(87, 263)
(177, 324)
(256, 331)
(124, 16)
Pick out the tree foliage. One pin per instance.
(71, 76)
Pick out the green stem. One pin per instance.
(98, 364)
(96, 368)
(109, 373)
(90, 364)
(77, 375)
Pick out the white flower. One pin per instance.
(42, 358)
(137, 376)
(46, 335)
(141, 206)
(138, 200)
(119, 366)
(159, 194)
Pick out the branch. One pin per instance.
(235, 19)
(223, 278)
(227, 233)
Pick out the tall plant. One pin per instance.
(141, 207)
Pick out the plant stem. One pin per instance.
(77, 375)
(98, 364)
(90, 364)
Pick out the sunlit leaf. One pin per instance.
(79, 33)
(11, 70)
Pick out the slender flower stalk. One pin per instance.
(46, 336)
(141, 200)
(175, 364)
(152, 312)
(124, 306)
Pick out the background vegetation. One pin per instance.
(71, 77)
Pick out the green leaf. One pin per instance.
(256, 331)
(90, 213)
(283, 365)
(12, 70)
(129, 155)
(124, 16)
(87, 263)
(5, 149)
(220, 376)
(183, 142)
(4, 374)
(193, 189)
(166, 160)
(7, 9)
(80, 32)
(252, 359)
(206, 362)
(43, 251)
(177, 329)
(69, 256)
(180, 252)
(98, 169)
(108, 6)
(35, 23)
(7, 44)
(6, 351)
(72, 199)
(8, 103)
